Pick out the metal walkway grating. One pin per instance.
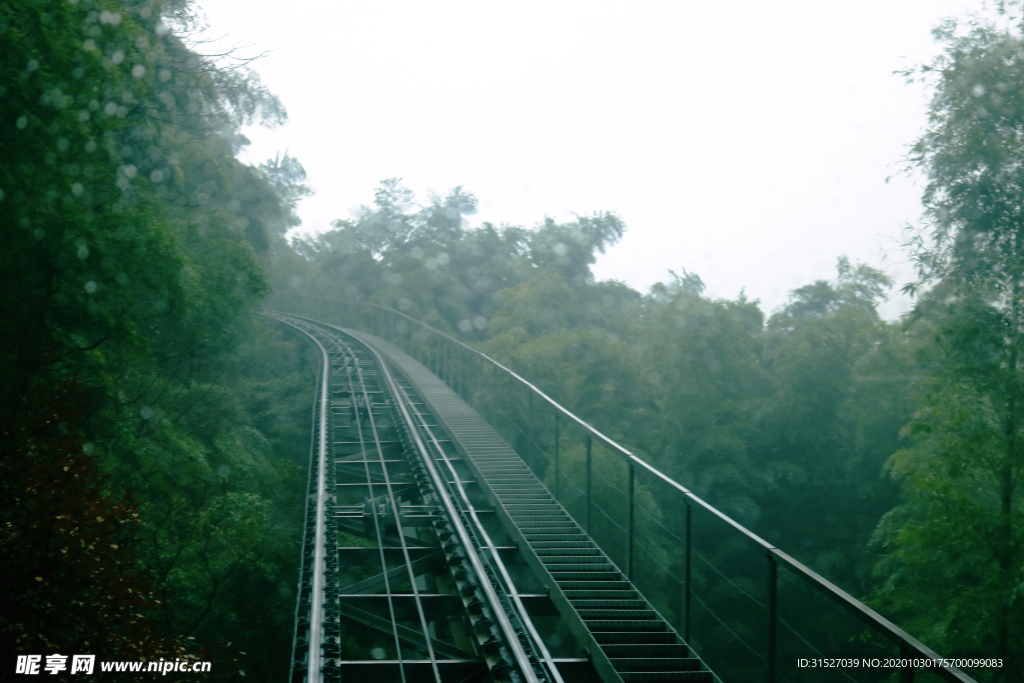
(626, 637)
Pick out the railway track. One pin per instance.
(433, 553)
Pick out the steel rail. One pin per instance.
(314, 666)
(316, 617)
(396, 513)
(909, 645)
(305, 529)
(403, 403)
(522, 659)
(377, 530)
(486, 539)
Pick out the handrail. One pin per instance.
(909, 646)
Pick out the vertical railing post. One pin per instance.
(688, 543)
(529, 429)
(479, 398)
(907, 670)
(769, 658)
(587, 516)
(494, 393)
(458, 372)
(511, 413)
(445, 365)
(556, 454)
(629, 523)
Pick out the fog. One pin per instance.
(747, 142)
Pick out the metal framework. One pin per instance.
(653, 577)
(433, 558)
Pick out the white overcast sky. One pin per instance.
(748, 142)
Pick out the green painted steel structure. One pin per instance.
(712, 587)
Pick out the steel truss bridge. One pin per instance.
(462, 526)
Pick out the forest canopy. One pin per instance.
(150, 472)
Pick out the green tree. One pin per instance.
(841, 388)
(702, 382)
(959, 531)
(132, 254)
(569, 249)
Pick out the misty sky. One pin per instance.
(748, 142)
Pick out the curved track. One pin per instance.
(430, 530)
(381, 473)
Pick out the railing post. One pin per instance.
(587, 516)
(906, 671)
(629, 524)
(556, 454)
(511, 412)
(772, 587)
(494, 393)
(529, 429)
(688, 542)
